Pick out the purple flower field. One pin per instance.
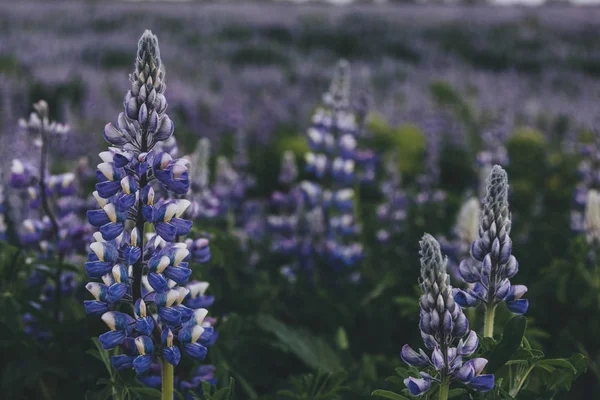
(277, 201)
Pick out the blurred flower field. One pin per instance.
(269, 201)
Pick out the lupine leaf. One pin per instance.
(312, 350)
(388, 395)
(511, 340)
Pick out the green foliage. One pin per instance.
(313, 351)
(318, 386)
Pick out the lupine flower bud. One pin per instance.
(492, 265)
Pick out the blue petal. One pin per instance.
(131, 255)
(166, 231)
(169, 315)
(172, 355)
(195, 350)
(108, 189)
(464, 299)
(125, 202)
(518, 306)
(178, 274)
(116, 292)
(122, 361)
(412, 358)
(183, 225)
(144, 326)
(416, 386)
(157, 282)
(200, 302)
(483, 383)
(111, 339)
(111, 230)
(97, 218)
(96, 269)
(142, 363)
(94, 307)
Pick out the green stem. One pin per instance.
(488, 327)
(515, 391)
(167, 381)
(444, 389)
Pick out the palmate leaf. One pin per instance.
(313, 351)
(508, 345)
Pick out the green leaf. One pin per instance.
(312, 350)
(510, 343)
(551, 364)
(388, 395)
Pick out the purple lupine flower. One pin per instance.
(445, 331)
(589, 172)
(51, 218)
(491, 266)
(136, 183)
(393, 212)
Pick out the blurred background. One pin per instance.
(445, 85)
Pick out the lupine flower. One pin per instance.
(492, 264)
(445, 331)
(334, 158)
(50, 224)
(428, 181)
(393, 212)
(148, 270)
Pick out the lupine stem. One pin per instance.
(52, 218)
(167, 380)
(138, 267)
(444, 389)
(488, 327)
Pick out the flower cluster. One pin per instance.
(428, 181)
(393, 212)
(492, 264)
(52, 224)
(332, 160)
(284, 222)
(442, 324)
(148, 270)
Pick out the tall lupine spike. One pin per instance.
(492, 264)
(131, 262)
(335, 160)
(393, 212)
(444, 329)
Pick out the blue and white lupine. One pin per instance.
(332, 160)
(51, 224)
(148, 270)
(492, 265)
(445, 331)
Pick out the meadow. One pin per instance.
(274, 201)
